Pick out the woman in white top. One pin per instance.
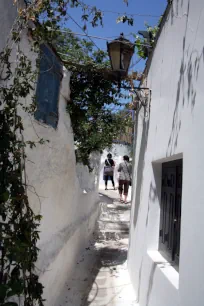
(125, 174)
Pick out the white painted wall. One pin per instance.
(172, 130)
(69, 202)
(8, 15)
(64, 193)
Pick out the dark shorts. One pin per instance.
(108, 177)
(123, 186)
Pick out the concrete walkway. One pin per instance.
(101, 276)
(111, 285)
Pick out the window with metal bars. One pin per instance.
(170, 220)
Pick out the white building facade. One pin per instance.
(166, 243)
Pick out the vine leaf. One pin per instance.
(4, 197)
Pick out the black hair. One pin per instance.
(109, 155)
(126, 158)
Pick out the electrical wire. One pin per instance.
(83, 31)
(92, 36)
(129, 14)
(134, 64)
(118, 13)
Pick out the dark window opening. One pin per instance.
(48, 87)
(170, 219)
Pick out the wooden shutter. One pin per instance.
(48, 87)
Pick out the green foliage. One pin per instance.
(95, 124)
(142, 44)
(125, 19)
(19, 225)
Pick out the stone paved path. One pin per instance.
(111, 284)
(100, 276)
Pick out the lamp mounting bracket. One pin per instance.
(142, 96)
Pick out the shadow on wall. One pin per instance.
(189, 71)
(140, 165)
(155, 188)
(151, 279)
(154, 196)
(149, 287)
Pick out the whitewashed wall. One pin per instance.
(65, 193)
(171, 131)
(8, 15)
(68, 201)
(68, 198)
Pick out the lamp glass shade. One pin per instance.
(114, 53)
(120, 52)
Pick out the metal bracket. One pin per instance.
(143, 95)
(143, 101)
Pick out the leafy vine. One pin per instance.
(93, 98)
(145, 45)
(18, 224)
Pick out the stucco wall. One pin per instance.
(67, 198)
(8, 15)
(68, 201)
(172, 130)
(65, 193)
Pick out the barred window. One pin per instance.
(170, 220)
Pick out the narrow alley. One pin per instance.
(95, 96)
(101, 276)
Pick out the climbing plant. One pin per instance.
(93, 98)
(19, 226)
(145, 45)
(18, 223)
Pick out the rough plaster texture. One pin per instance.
(68, 199)
(64, 193)
(172, 130)
(8, 15)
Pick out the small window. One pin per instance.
(48, 87)
(170, 220)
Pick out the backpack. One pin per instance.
(108, 170)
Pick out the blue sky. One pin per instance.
(111, 28)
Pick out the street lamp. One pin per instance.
(120, 52)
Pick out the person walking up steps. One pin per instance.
(108, 172)
(125, 177)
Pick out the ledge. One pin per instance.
(165, 267)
